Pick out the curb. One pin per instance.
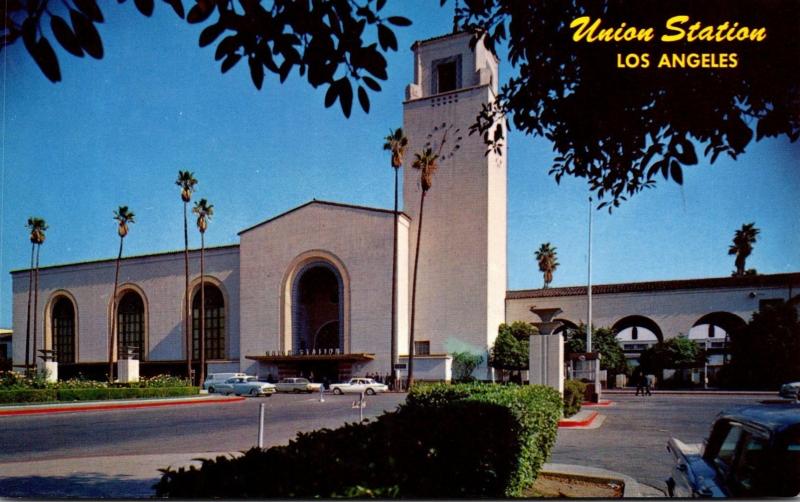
(584, 422)
(602, 403)
(631, 489)
(69, 408)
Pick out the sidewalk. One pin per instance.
(133, 476)
(692, 392)
(112, 404)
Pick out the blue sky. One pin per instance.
(116, 131)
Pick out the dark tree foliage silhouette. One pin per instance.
(324, 40)
(621, 128)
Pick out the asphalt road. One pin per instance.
(633, 438)
(182, 429)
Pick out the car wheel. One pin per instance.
(211, 390)
(337, 391)
(370, 392)
(295, 391)
(254, 392)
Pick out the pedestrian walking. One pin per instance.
(638, 377)
(648, 384)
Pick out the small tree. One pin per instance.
(511, 350)
(604, 341)
(464, 363)
(764, 353)
(675, 353)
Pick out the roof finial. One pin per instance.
(455, 18)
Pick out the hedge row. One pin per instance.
(574, 392)
(97, 394)
(474, 442)
(534, 411)
(28, 396)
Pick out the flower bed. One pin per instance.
(20, 388)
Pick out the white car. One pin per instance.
(247, 385)
(213, 380)
(359, 385)
(297, 385)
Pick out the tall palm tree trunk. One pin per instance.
(187, 310)
(35, 303)
(393, 350)
(202, 311)
(28, 328)
(414, 295)
(112, 336)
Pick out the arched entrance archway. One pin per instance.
(635, 333)
(711, 332)
(62, 325)
(317, 309)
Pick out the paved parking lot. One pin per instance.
(633, 437)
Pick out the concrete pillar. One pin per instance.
(546, 363)
(50, 368)
(128, 370)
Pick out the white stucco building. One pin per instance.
(309, 290)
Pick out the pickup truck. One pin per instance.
(752, 451)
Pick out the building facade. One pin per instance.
(309, 292)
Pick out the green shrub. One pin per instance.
(27, 395)
(461, 449)
(99, 394)
(574, 391)
(535, 410)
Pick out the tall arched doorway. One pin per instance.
(131, 323)
(317, 310)
(62, 324)
(214, 322)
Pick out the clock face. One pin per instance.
(443, 141)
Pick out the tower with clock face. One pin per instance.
(461, 283)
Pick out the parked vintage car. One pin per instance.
(246, 385)
(297, 385)
(790, 390)
(359, 385)
(752, 451)
(213, 380)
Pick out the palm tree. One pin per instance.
(742, 246)
(426, 163)
(124, 217)
(37, 228)
(187, 182)
(548, 262)
(204, 212)
(396, 143)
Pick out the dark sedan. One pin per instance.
(752, 451)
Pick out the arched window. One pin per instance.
(130, 323)
(214, 323)
(63, 330)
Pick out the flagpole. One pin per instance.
(589, 288)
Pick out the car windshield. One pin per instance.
(251, 379)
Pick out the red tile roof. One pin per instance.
(752, 281)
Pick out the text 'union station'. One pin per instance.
(310, 290)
